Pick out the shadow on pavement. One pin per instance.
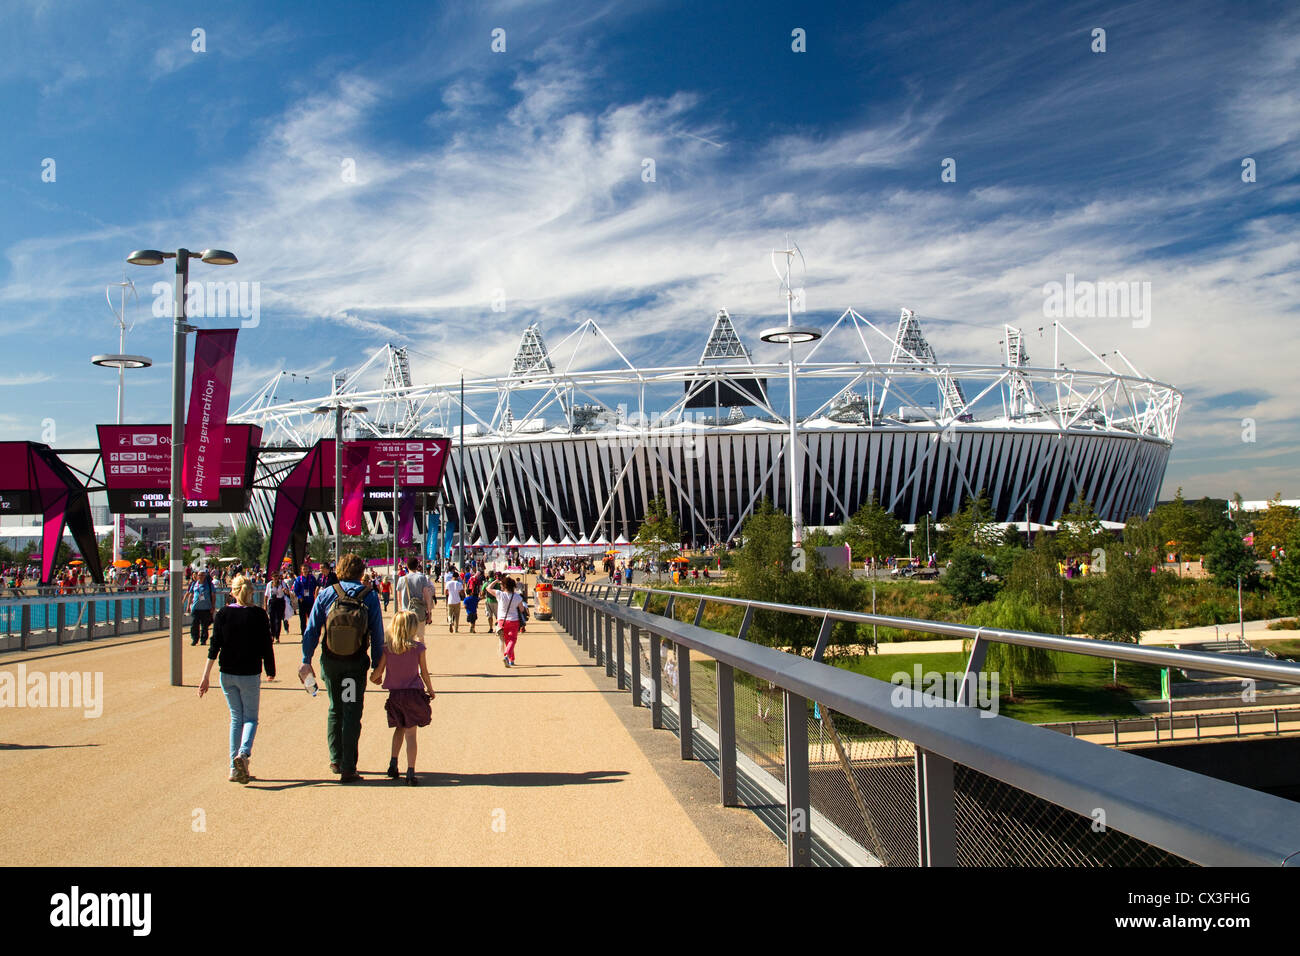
(521, 778)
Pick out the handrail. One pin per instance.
(1259, 669)
(1195, 817)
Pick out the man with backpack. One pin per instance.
(415, 594)
(347, 622)
(201, 600)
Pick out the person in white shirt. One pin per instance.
(275, 604)
(454, 591)
(509, 605)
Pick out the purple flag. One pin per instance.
(205, 427)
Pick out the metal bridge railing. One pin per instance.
(852, 770)
(44, 620)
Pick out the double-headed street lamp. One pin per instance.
(340, 408)
(175, 568)
(397, 464)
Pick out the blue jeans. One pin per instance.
(242, 692)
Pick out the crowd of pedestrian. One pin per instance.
(342, 615)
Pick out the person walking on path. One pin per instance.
(386, 591)
(455, 592)
(348, 624)
(508, 618)
(200, 599)
(305, 586)
(241, 644)
(404, 671)
(275, 607)
(415, 593)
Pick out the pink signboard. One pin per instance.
(137, 468)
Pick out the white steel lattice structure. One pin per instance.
(559, 454)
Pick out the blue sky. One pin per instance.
(522, 171)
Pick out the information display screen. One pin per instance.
(137, 468)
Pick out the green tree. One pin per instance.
(1286, 576)
(873, 532)
(1015, 611)
(659, 537)
(1227, 558)
(320, 548)
(966, 578)
(1123, 602)
(1275, 525)
(1181, 527)
(973, 526)
(248, 540)
(1080, 530)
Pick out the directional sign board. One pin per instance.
(138, 468)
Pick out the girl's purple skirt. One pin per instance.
(408, 708)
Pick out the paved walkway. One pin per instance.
(525, 766)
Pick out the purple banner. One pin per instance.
(406, 518)
(205, 428)
(354, 487)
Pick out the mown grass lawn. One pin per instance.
(1079, 691)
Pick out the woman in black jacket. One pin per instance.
(241, 639)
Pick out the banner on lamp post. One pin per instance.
(406, 519)
(431, 539)
(205, 426)
(354, 488)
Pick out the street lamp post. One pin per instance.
(789, 334)
(175, 568)
(121, 362)
(339, 408)
(460, 482)
(397, 464)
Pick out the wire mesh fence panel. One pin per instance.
(666, 677)
(704, 690)
(1000, 825)
(862, 780)
(760, 728)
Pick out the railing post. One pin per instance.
(117, 618)
(617, 663)
(684, 701)
(607, 658)
(636, 665)
(936, 817)
(58, 623)
(139, 616)
(668, 608)
(797, 802)
(26, 626)
(593, 647)
(699, 612)
(726, 677)
(747, 620)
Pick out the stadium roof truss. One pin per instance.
(553, 395)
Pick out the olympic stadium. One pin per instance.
(559, 454)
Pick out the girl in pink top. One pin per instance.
(404, 673)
